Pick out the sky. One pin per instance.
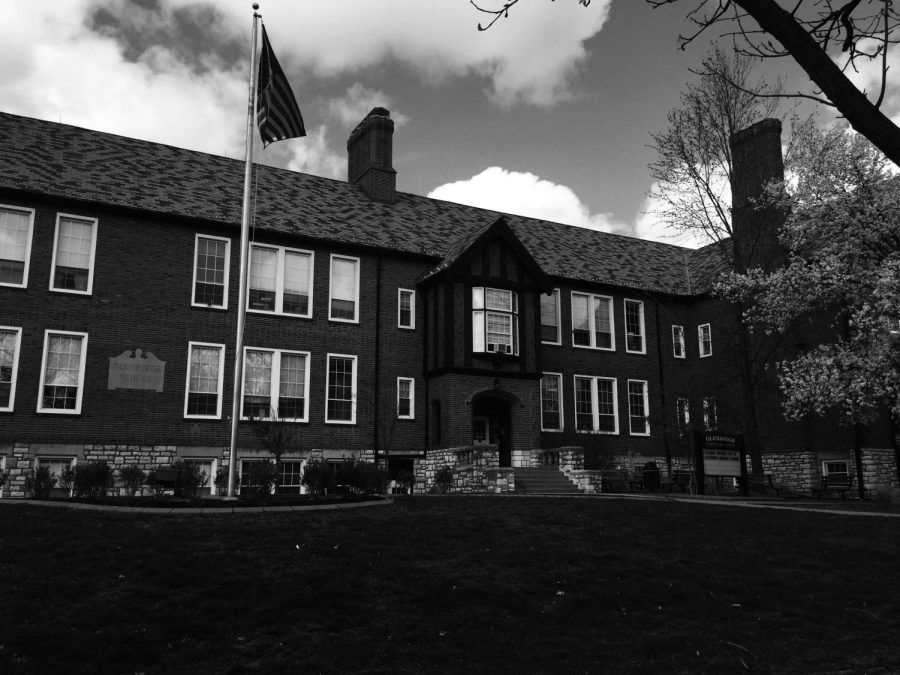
(548, 114)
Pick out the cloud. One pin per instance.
(528, 195)
(350, 109)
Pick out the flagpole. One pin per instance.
(245, 258)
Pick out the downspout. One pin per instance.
(377, 364)
(662, 389)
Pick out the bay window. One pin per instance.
(495, 321)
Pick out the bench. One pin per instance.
(683, 480)
(834, 483)
(615, 480)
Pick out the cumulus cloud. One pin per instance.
(528, 195)
(867, 77)
(358, 101)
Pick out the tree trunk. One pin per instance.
(861, 113)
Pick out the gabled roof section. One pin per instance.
(465, 246)
(46, 158)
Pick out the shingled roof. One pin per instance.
(66, 161)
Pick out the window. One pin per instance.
(710, 414)
(550, 318)
(683, 414)
(406, 308)
(289, 476)
(275, 385)
(56, 468)
(596, 408)
(638, 408)
(406, 392)
(495, 321)
(592, 321)
(634, 327)
(211, 259)
(203, 398)
(678, 342)
(340, 405)
(280, 281)
(62, 372)
(704, 337)
(835, 468)
(344, 290)
(15, 245)
(551, 402)
(73, 254)
(10, 343)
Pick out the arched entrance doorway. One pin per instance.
(491, 423)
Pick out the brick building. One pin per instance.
(379, 324)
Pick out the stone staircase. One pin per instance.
(544, 480)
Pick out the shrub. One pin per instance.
(221, 481)
(443, 479)
(190, 479)
(133, 478)
(317, 476)
(405, 480)
(258, 479)
(92, 479)
(39, 482)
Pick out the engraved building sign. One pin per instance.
(136, 370)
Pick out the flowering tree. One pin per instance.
(842, 279)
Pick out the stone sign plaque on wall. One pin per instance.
(136, 369)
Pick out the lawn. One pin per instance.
(451, 584)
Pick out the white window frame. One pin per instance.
(227, 241)
(280, 254)
(679, 350)
(335, 256)
(275, 383)
(481, 321)
(81, 373)
(595, 404)
(559, 391)
(592, 328)
(17, 349)
(90, 277)
(555, 295)
(704, 352)
(683, 414)
(412, 308)
(646, 403)
(353, 393)
(28, 238)
(643, 330)
(412, 398)
(220, 380)
(709, 405)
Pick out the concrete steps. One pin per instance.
(544, 480)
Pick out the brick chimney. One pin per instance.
(756, 162)
(369, 152)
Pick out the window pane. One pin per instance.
(13, 245)
(581, 334)
(405, 317)
(340, 389)
(499, 333)
(210, 287)
(62, 374)
(602, 325)
(637, 413)
(606, 405)
(263, 279)
(634, 330)
(495, 298)
(203, 382)
(292, 387)
(678, 341)
(343, 289)
(404, 398)
(478, 331)
(257, 384)
(584, 409)
(73, 254)
(550, 409)
(296, 283)
(550, 317)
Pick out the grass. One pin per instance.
(451, 585)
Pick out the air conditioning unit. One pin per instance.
(499, 348)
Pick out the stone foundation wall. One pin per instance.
(475, 469)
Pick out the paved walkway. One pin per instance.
(749, 503)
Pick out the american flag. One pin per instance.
(277, 112)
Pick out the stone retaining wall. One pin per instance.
(474, 469)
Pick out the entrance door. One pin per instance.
(490, 424)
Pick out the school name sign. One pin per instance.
(136, 370)
(721, 456)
